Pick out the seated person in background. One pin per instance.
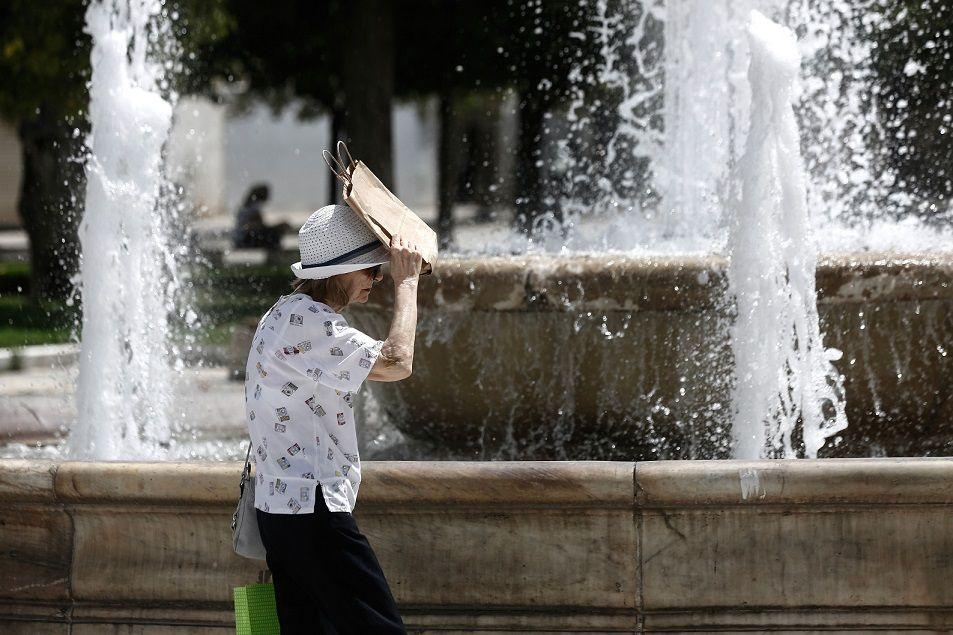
(250, 228)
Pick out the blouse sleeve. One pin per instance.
(322, 346)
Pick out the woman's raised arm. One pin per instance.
(396, 360)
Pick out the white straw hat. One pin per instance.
(335, 240)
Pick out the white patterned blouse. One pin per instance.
(303, 369)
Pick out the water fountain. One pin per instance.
(628, 294)
(636, 275)
(595, 353)
(128, 267)
(783, 373)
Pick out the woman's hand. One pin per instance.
(405, 260)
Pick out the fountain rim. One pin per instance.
(825, 259)
(632, 282)
(492, 484)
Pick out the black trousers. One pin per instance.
(326, 576)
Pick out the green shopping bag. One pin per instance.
(255, 612)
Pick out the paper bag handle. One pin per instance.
(336, 167)
(342, 152)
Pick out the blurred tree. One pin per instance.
(451, 50)
(346, 58)
(914, 61)
(365, 35)
(335, 57)
(543, 58)
(458, 46)
(352, 59)
(44, 62)
(44, 67)
(448, 156)
(469, 156)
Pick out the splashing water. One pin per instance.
(837, 107)
(692, 171)
(125, 376)
(784, 375)
(657, 121)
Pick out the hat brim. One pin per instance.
(380, 256)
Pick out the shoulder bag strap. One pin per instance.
(241, 485)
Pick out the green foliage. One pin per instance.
(223, 296)
(462, 45)
(14, 278)
(44, 58)
(292, 54)
(17, 268)
(281, 54)
(227, 295)
(199, 27)
(44, 53)
(25, 322)
(16, 337)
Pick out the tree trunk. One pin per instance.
(484, 157)
(367, 37)
(51, 203)
(448, 148)
(335, 193)
(528, 154)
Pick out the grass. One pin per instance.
(224, 297)
(14, 277)
(17, 337)
(24, 322)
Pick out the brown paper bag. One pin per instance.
(379, 208)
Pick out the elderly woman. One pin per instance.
(305, 366)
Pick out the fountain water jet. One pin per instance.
(783, 373)
(125, 376)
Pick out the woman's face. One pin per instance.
(358, 284)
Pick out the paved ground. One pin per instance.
(37, 407)
(38, 404)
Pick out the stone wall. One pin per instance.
(622, 357)
(838, 545)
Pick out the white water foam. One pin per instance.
(125, 371)
(784, 377)
(657, 122)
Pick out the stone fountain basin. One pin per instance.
(840, 545)
(621, 357)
